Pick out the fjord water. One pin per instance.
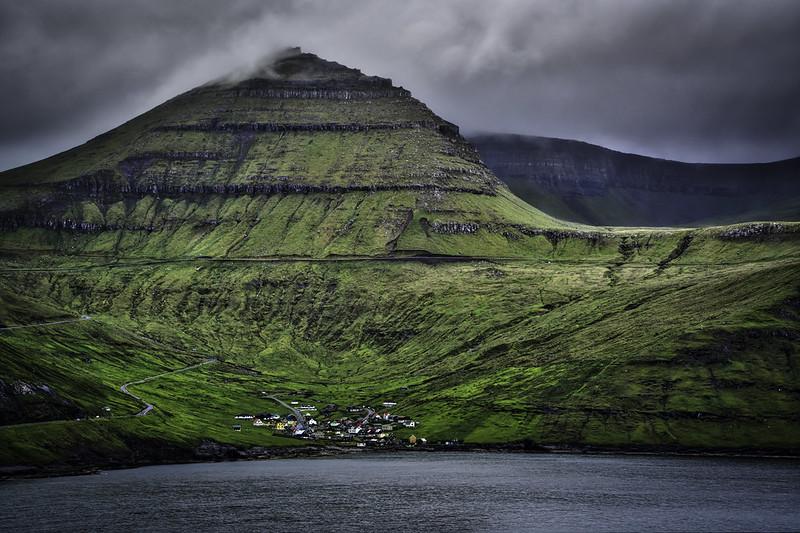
(429, 492)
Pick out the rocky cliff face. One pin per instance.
(590, 184)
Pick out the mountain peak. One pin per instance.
(292, 66)
(305, 157)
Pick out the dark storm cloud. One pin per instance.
(692, 80)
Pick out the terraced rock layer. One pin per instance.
(231, 158)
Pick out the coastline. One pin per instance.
(212, 452)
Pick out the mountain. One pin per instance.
(590, 184)
(313, 234)
(223, 169)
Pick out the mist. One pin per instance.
(707, 80)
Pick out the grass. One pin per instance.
(421, 279)
(699, 354)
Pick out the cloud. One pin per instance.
(694, 80)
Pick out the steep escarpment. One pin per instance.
(586, 183)
(303, 145)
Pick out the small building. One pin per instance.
(409, 423)
(258, 422)
(412, 440)
(280, 426)
(244, 417)
(387, 427)
(312, 422)
(389, 404)
(237, 427)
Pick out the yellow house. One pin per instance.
(412, 440)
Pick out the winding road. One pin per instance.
(301, 418)
(40, 324)
(148, 406)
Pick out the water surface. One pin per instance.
(419, 492)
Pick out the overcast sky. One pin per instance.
(694, 80)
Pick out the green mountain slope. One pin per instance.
(324, 237)
(310, 149)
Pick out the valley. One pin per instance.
(696, 354)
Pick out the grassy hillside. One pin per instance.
(325, 238)
(616, 349)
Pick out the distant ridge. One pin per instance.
(586, 183)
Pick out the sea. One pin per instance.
(419, 491)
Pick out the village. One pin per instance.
(360, 425)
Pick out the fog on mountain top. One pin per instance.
(691, 80)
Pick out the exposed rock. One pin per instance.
(553, 235)
(22, 401)
(215, 125)
(315, 93)
(454, 228)
(751, 231)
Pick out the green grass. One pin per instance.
(699, 354)
(419, 278)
